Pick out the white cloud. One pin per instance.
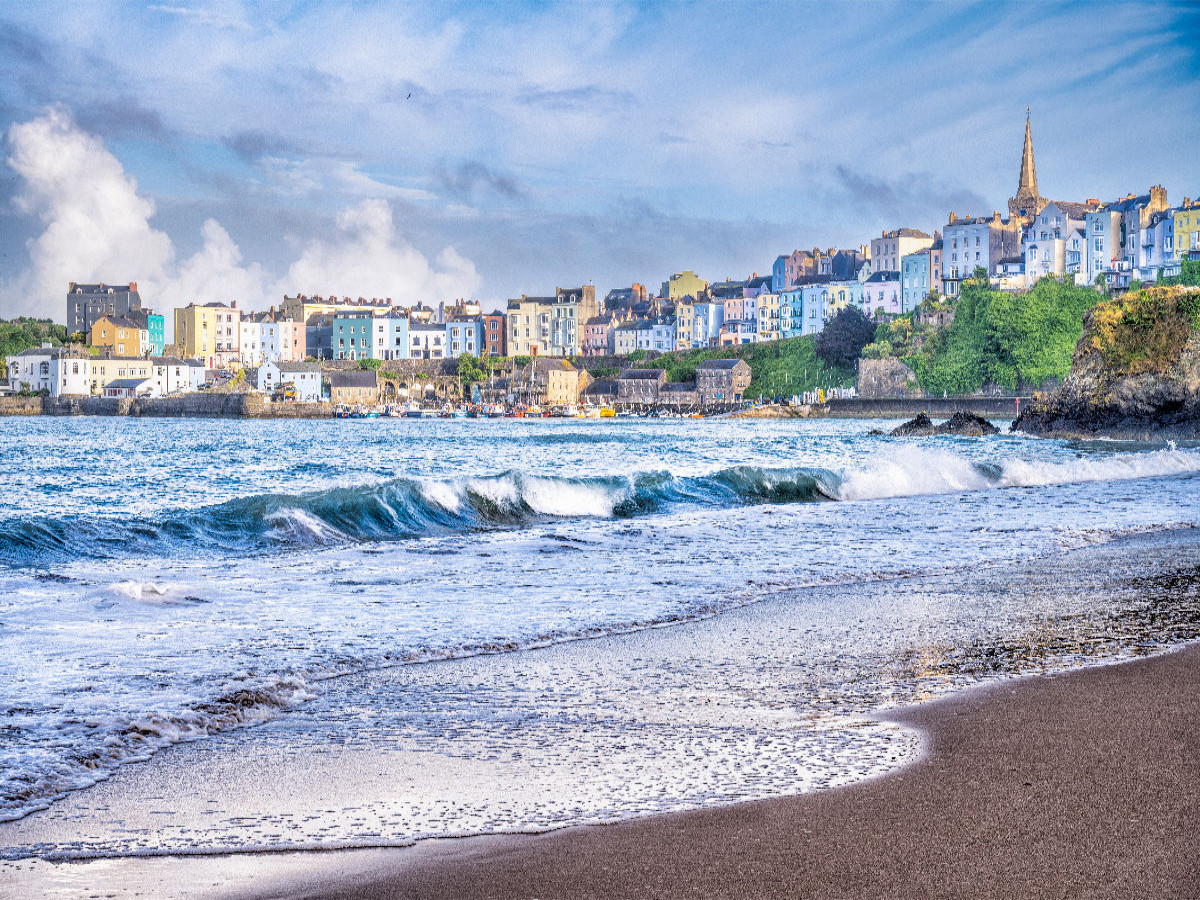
(97, 227)
(216, 272)
(366, 257)
(96, 224)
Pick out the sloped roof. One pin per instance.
(643, 374)
(1076, 210)
(723, 364)
(352, 379)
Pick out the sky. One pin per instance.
(430, 152)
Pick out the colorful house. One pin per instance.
(464, 336)
(211, 333)
(120, 335)
(352, 334)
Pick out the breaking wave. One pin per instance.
(407, 508)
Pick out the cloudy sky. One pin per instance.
(426, 152)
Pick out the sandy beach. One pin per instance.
(1078, 785)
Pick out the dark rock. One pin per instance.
(921, 426)
(966, 424)
(875, 431)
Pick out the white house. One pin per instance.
(259, 335)
(304, 376)
(58, 370)
(172, 375)
(129, 387)
(1046, 238)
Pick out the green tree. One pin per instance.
(1013, 340)
(469, 372)
(841, 342)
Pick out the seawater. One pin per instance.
(177, 581)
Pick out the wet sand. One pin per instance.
(1078, 785)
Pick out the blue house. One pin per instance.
(464, 335)
(352, 332)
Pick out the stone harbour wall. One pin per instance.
(199, 405)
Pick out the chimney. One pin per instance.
(233, 304)
(133, 285)
(953, 218)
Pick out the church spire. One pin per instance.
(1028, 185)
(1028, 202)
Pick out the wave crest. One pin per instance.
(405, 508)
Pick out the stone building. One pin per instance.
(640, 387)
(86, 303)
(679, 396)
(722, 382)
(353, 387)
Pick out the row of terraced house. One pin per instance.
(1137, 236)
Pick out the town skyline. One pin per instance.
(558, 176)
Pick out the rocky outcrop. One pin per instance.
(1135, 374)
(961, 423)
(921, 426)
(885, 378)
(968, 425)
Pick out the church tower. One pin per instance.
(1028, 202)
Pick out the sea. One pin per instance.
(231, 636)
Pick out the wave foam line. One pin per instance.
(407, 508)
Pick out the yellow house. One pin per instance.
(768, 317)
(684, 284)
(120, 335)
(211, 333)
(685, 310)
(1187, 231)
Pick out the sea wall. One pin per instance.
(999, 408)
(934, 407)
(20, 406)
(199, 405)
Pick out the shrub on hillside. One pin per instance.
(842, 340)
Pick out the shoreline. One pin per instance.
(1082, 783)
(1105, 744)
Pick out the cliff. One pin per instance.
(1135, 374)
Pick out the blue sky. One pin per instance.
(430, 151)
